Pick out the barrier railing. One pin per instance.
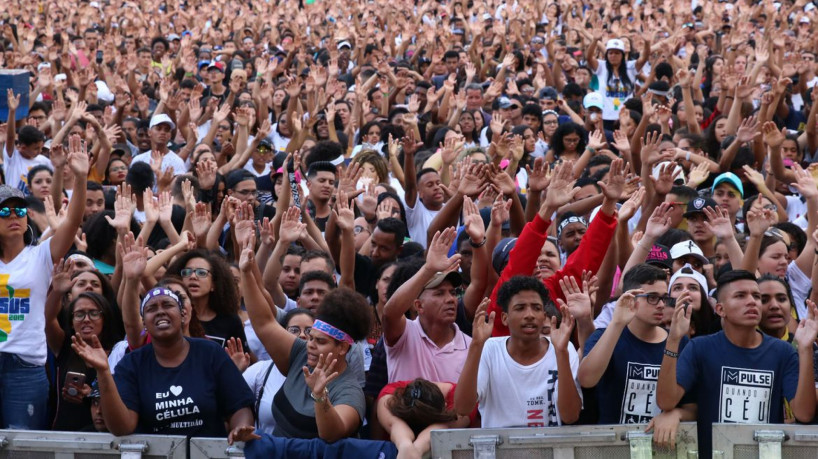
(559, 442)
(68, 445)
(764, 441)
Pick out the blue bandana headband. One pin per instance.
(155, 292)
(333, 332)
(568, 221)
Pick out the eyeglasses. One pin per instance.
(79, 316)
(119, 169)
(198, 272)
(359, 229)
(654, 298)
(570, 140)
(297, 330)
(5, 212)
(550, 122)
(253, 193)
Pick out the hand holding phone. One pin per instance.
(74, 383)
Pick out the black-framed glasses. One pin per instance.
(5, 212)
(79, 316)
(200, 273)
(654, 298)
(252, 193)
(295, 330)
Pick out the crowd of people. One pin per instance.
(331, 220)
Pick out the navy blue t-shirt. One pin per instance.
(735, 384)
(193, 399)
(627, 390)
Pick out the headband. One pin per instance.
(568, 221)
(155, 292)
(336, 333)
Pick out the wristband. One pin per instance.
(671, 354)
(592, 150)
(481, 244)
(688, 156)
(189, 74)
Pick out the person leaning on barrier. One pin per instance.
(174, 385)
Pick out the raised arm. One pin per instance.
(394, 319)
(11, 125)
(596, 361)
(64, 235)
(134, 261)
(276, 340)
(290, 230)
(410, 146)
(465, 397)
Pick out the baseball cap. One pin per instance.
(659, 256)
(593, 99)
(94, 391)
(440, 277)
(8, 193)
(216, 65)
(487, 17)
(615, 44)
(549, 93)
(696, 206)
(265, 143)
(504, 102)
(804, 20)
(173, 36)
(204, 63)
(732, 179)
(499, 258)
(162, 118)
(688, 272)
(679, 180)
(685, 248)
(344, 44)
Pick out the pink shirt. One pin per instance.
(415, 355)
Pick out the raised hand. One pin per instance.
(472, 221)
(659, 221)
(561, 336)
(93, 354)
(807, 329)
(772, 136)
(134, 257)
(235, 350)
(77, 159)
(667, 177)
(12, 100)
(577, 300)
(291, 227)
(596, 140)
(650, 147)
(437, 259)
(698, 175)
(243, 225)
(760, 220)
(614, 185)
(621, 142)
(344, 213)
(165, 206)
(625, 309)
(61, 279)
(482, 325)
(201, 219)
(718, 222)
(500, 210)
(323, 373)
(804, 182)
(748, 130)
(348, 180)
(629, 207)
(561, 191)
(124, 207)
(680, 323)
(539, 176)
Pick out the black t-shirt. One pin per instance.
(366, 276)
(70, 416)
(223, 327)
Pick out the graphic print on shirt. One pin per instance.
(639, 399)
(172, 405)
(542, 410)
(745, 395)
(614, 89)
(14, 306)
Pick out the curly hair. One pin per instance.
(224, 298)
(376, 160)
(420, 404)
(519, 284)
(347, 310)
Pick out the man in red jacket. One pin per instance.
(588, 256)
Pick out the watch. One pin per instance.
(322, 398)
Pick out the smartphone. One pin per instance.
(99, 56)
(74, 382)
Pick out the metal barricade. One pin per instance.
(603, 441)
(215, 448)
(32, 444)
(765, 441)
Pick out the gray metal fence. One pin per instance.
(580, 442)
(31, 444)
(765, 441)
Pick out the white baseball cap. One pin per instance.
(162, 118)
(615, 44)
(593, 99)
(689, 272)
(685, 248)
(658, 168)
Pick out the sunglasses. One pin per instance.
(5, 212)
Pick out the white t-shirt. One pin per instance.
(23, 287)
(615, 95)
(16, 168)
(169, 161)
(248, 166)
(254, 376)
(514, 395)
(800, 284)
(418, 221)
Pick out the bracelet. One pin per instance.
(485, 238)
(688, 156)
(322, 398)
(592, 150)
(671, 354)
